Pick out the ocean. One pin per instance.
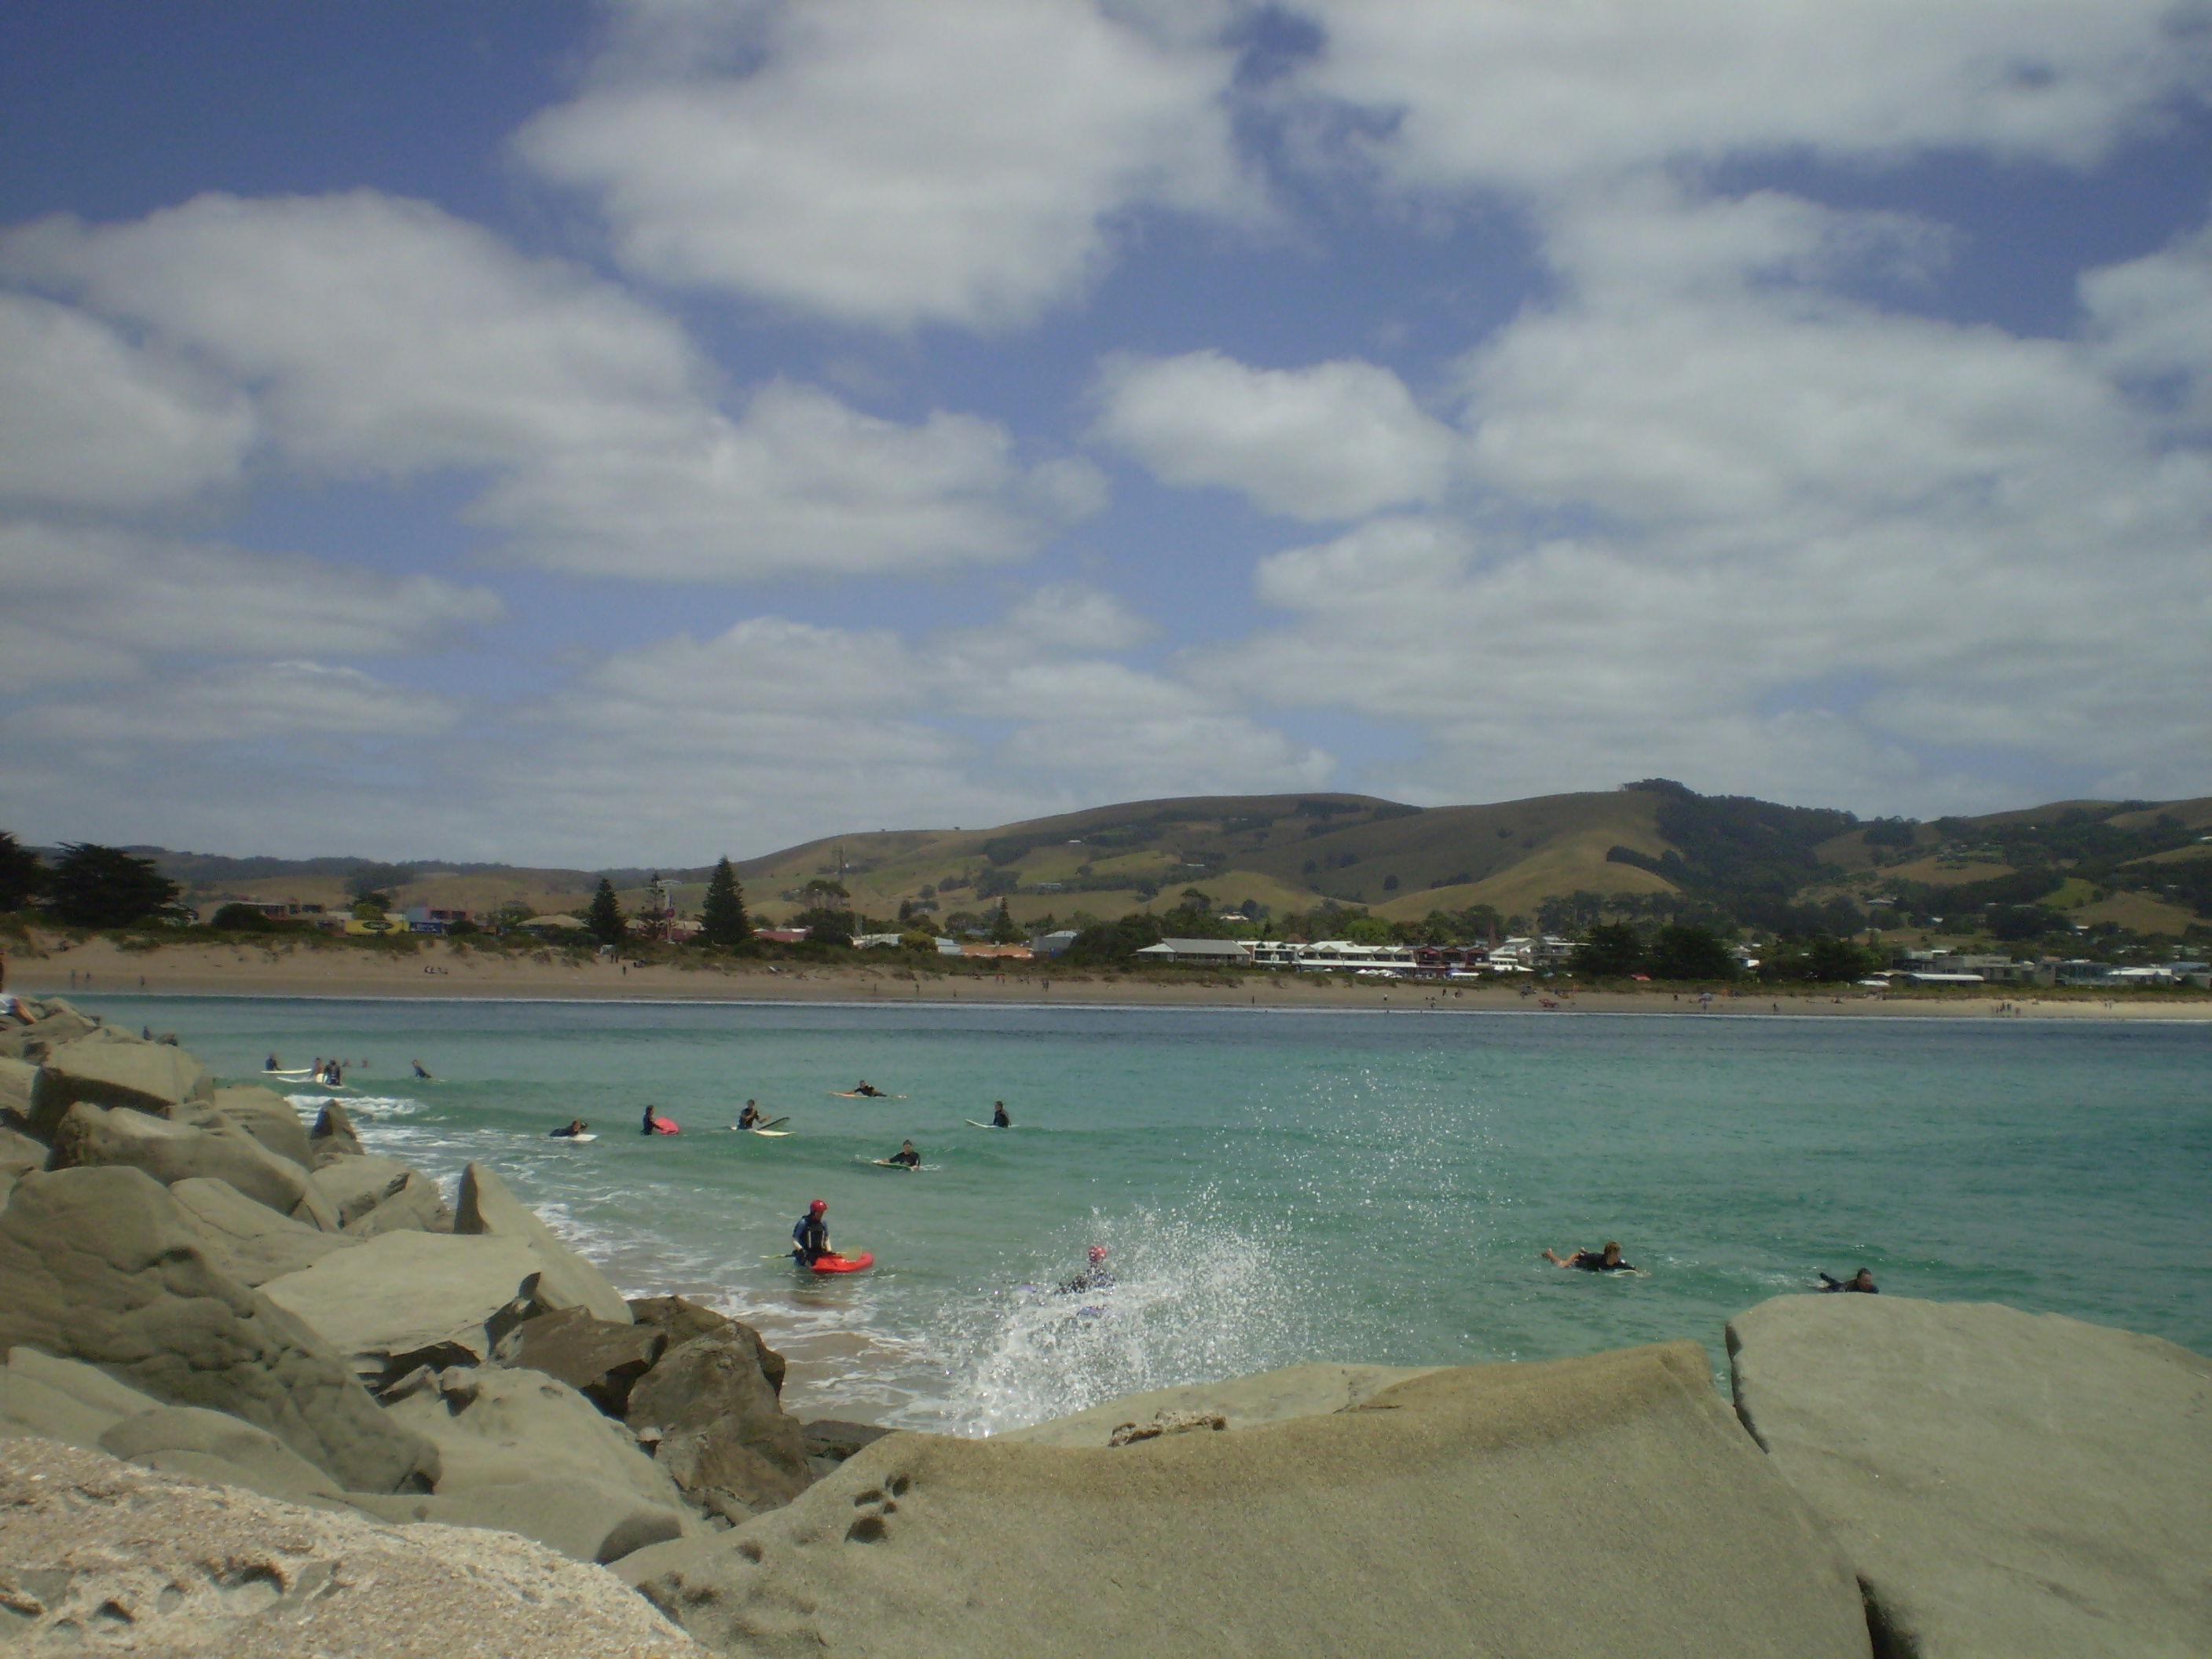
(1274, 1187)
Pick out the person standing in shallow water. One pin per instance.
(809, 1238)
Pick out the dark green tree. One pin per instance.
(1834, 961)
(241, 919)
(1688, 953)
(1609, 950)
(604, 920)
(96, 886)
(22, 873)
(722, 920)
(1005, 930)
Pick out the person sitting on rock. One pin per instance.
(1861, 1280)
(752, 1117)
(907, 1155)
(1606, 1260)
(999, 1118)
(810, 1239)
(1095, 1277)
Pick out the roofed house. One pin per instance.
(1198, 952)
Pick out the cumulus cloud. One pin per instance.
(88, 420)
(382, 336)
(1079, 616)
(1333, 441)
(888, 164)
(244, 703)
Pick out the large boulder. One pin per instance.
(1242, 1402)
(17, 1079)
(2006, 1484)
(89, 1546)
(213, 1446)
(52, 1024)
(248, 1241)
(717, 1426)
(1606, 1508)
(529, 1455)
(568, 1280)
(95, 1137)
(269, 1119)
(406, 1299)
(102, 1265)
(333, 1136)
(20, 1154)
(63, 1398)
(680, 1319)
(105, 1067)
(598, 1359)
(370, 1196)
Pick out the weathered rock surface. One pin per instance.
(333, 1136)
(371, 1196)
(405, 1299)
(20, 1154)
(105, 1067)
(63, 1399)
(682, 1319)
(55, 1023)
(2007, 1485)
(98, 1556)
(718, 1428)
(251, 1241)
(208, 1445)
(568, 1280)
(102, 1265)
(17, 1077)
(1606, 1506)
(95, 1136)
(525, 1453)
(599, 1359)
(1311, 1390)
(269, 1119)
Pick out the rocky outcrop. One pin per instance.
(567, 1280)
(333, 1136)
(1606, 1506)
(250, 1242)
(20, 1154)
(106, 1067)
(599, 1359)
(98, 1556)
(525, 1453)
(407, 1299)
(53, 1023)
(95, 1136)
(17, 1078)
(269, 1119)
(2008, 1484)
(717, 1426)
(1242, 1402)
(101, 1265)
(680, 1319)
(371, 1196)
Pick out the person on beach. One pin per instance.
(420, 1072)
(576, 1126)
(1095, 1277)
(999, 1118)
(809, 1238)
(1862, 1280)
(907, 1155)
(1606, 1260)
(752, 1117)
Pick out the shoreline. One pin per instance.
(439, 972)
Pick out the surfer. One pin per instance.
(999, 1118)
(576, 1126)
(809, 1238)
(272, 1064)
(906, 1155)
(867, 1091)
(1606, 1260)
(1861, 1280)
(752, 1117)
(654, 1124)
(1095, 1277)
(420, 1072)
(333, 1076)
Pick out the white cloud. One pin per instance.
(87, 420)
(884, 163)
(386, 337)
(91, 605)
(2151, 322)
(1331, 441)
(245, 703)
(1077, 617)
(1538, 95)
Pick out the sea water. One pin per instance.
(1278, 1187)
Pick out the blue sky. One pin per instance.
(631, 432)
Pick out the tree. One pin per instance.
(241, 919)
(722, 920)
(22, 873)
(1834, 961)
(1687, 952)
(1004, 928)
(1609, 950)
(604, 920)
(96, 886)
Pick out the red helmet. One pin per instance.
(1098, 1252)
(817, 1207)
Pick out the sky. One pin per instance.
(611, 434)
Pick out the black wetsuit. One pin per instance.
(1594, 1262)
(1828, 1284)
(912, 1160)
(1100, 1277)
(810, 1239)
(1001, 1121)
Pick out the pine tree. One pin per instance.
(604, 920)
(1005, 930)
(722, 920)
(96, 886)
(23, 874)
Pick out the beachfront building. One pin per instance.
(1199, 952)
(432, 918)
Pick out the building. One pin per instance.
(432, 919)
(1054, 944)
(1198, 953)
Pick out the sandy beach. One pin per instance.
(447, 969)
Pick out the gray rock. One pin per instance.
(1604, 1508)
(2005, 1484)
(210, 1446)
(523, 1452)
(682, 1319)
(20, 1154)
(93, 1137)
(405, 1299)
(269, 1119)
(17, 1078)
(58, 1024)
(63, 1399)
(107, 1069)
(1310, 1390)
(194, 1572)
(718, 1428)
(568, 1280)
(333, 1136)
(374, 1195)
(101, 1265)
(251, 1241)
(599, 1359)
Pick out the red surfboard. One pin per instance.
(845, 1264)
(665, 1125)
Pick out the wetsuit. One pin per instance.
(1594, 1262)
(869, 1091)
(1828, 1284)
(1100, 1277)
(1001, 1121)
(912, 1160)
(810, 1239)
(748, 1118)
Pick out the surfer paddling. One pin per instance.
(1862, 1280)
(1606, 1260)
(866, 1090)
(575, 1127)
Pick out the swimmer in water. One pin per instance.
(1606, 1260)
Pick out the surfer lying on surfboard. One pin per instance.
(864, 1090)
(1606, 1260)
(576, 1126)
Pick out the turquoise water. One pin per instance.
(1278, 1187)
